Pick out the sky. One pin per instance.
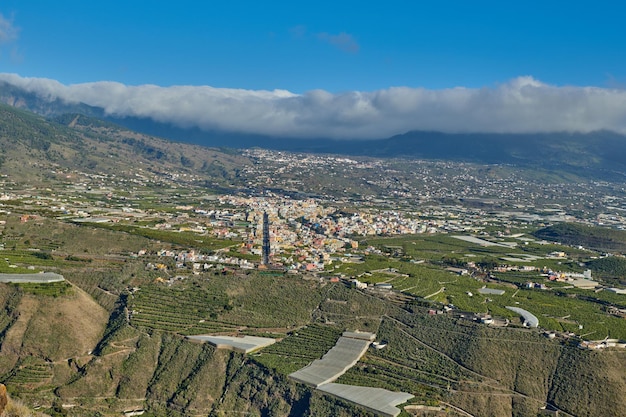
(340, 69)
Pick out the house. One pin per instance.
(355, 283)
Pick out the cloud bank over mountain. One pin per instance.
(522, 105)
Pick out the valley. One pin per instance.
(159, 240)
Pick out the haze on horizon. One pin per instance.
(326, 70)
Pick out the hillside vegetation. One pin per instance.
(612, 269)
(592, 237)
(31, 147)
(488, 372)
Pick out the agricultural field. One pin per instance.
(31, 372)
(184, 238)
(408, 364)
(561, 308)
(225, 303)
(299, 348)
(352, 310)
(447, 247)
(52, 289)
(178, 310)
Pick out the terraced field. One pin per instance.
(406, 364)
(33, 371)
(179, 311)
(560, 309)
(299, 349)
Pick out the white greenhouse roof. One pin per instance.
(530, 319)
(344, 355)
(492, 291)
(40, 278)
(379, 400)
(243, 344)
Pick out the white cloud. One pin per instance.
(8, 32)
(343, 41)
(520, 105)
(298, 31)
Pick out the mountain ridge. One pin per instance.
(600, 154)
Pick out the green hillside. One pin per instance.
(32, 148)
(612, 269)
(574, 234)
(487, 372)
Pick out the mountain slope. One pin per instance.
(32, 147)
(44, 106)
(600, 154)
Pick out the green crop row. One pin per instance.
(32, 371)
(299, 349)
(52, 289)
(187, 239)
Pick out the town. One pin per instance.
(338, 246)
(329, 228)
(294, 259)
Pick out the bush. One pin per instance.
(42, 255)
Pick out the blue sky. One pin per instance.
(345, 48)
(331, 45)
